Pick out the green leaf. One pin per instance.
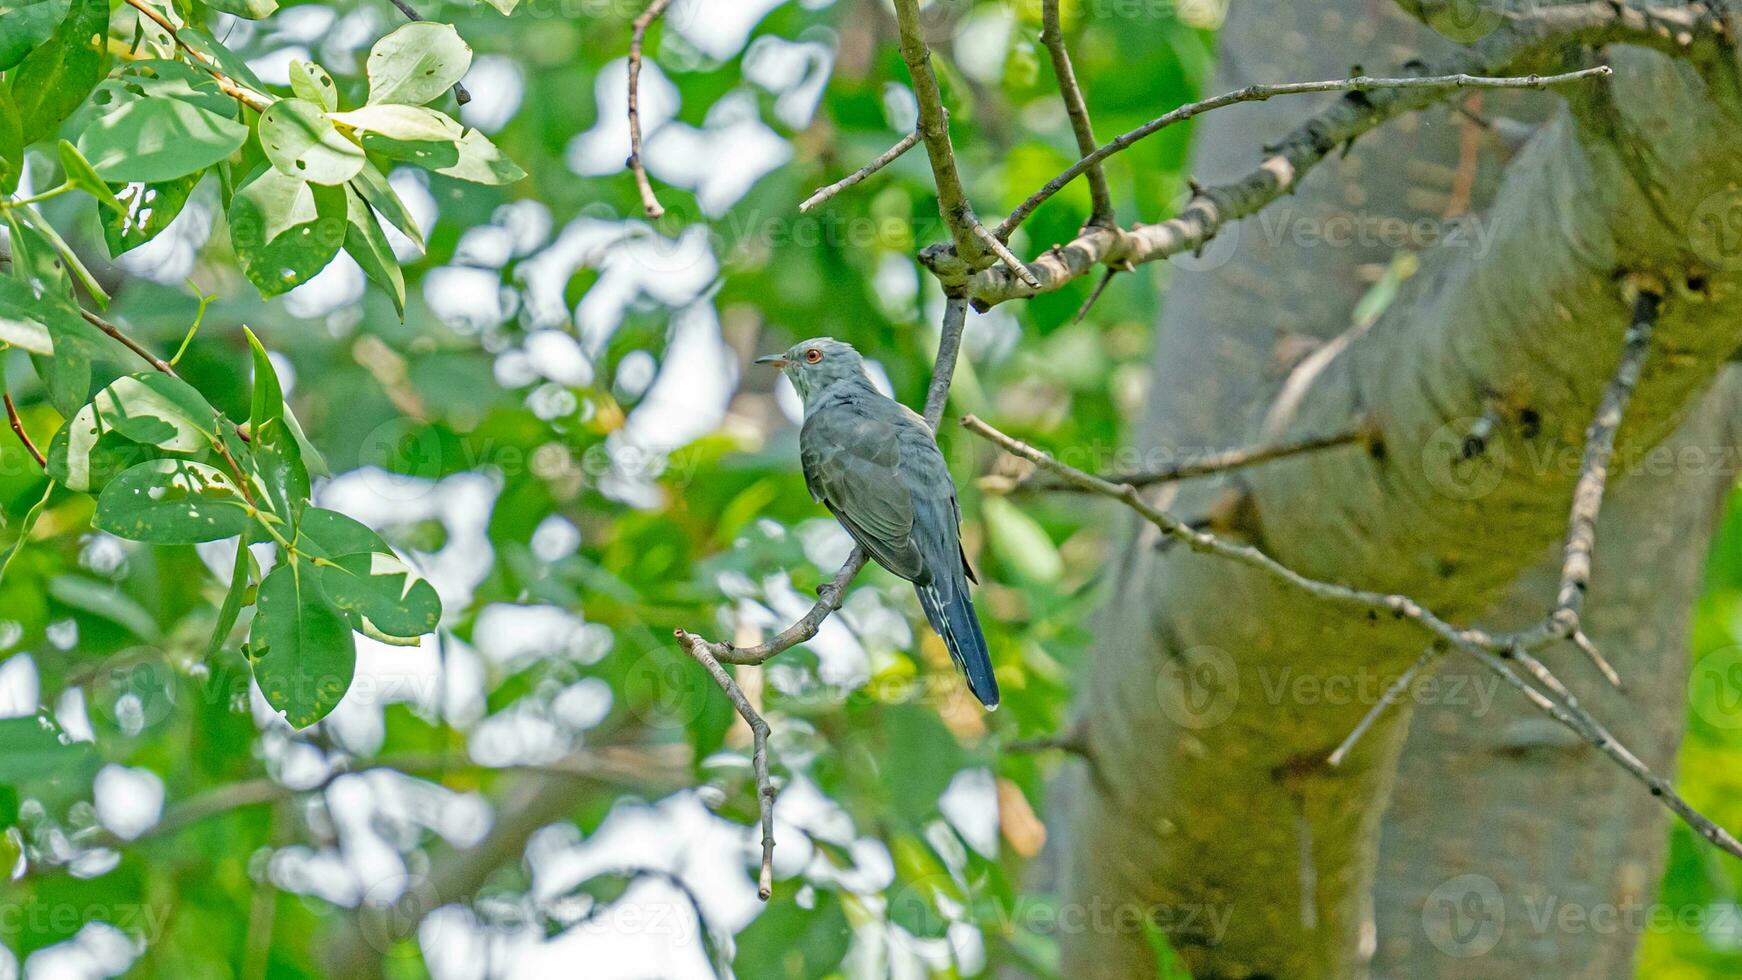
(503, 7)
(233, 596)
(312, 83)
(246, 9)
(54, 79)
(30, 316)
(105, 599)
(473, 157)
(300, 648)
(11, 143)
(35, 260)
(416, 63)
(110, 456)
(328, 534)
(81, 175)
(268, 398)
(26, 526)
(152, 138)
(226, 60)
(367, 243)
(409, 123)
(146, 209)
(1020, 542)
(24, 24)
(789, 942)
(300, 141)
(381, 596)
(33, 748)
(71, 258)
(284, 229)
(375, 189)
(26, 333)
(171, 501)
(278, 465)
(151, 409)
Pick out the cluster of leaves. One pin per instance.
(302, 179)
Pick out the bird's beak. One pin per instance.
(774, 359)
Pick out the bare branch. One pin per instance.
(1435, 84)
(24, 437)
(698, 648)
(638, 33)
(1491, 649)
(460, 94)
(1208, 464)
(1004, 254)
(1581, 542)
(934, 129)
(1392, 695)
(1094, 294)
(888, 157)
(1051, 35)
(258, 101)
(128, 342)
(1287, 163)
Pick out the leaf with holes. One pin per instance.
(417, 63)
(171, 501)
(285, 229)
(146, 209)
(472, 157)
(312, 83)
(300, 141)
(381, 596)
(300, 648)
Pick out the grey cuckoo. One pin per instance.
(875, 465)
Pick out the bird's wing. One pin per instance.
(851, 452)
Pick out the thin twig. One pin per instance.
(24, 437)
(637, 33)
(460, 94)
(1392, 695)
(698, 648)
(1004, 254)
(1261, 93)
(888, 157)
(1209, 464)
(934, 129)
(258, 101)
(128, 342)
(1487, 647)
(1051, 35)
(1563, 619)
(1212, 209)
(1100, 287)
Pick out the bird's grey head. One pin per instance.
(818, 363)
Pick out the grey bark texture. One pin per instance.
(1214, 695)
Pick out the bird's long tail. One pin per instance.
(951, 612)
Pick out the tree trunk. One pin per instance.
(1216, 694)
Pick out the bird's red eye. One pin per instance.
(813, 355)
